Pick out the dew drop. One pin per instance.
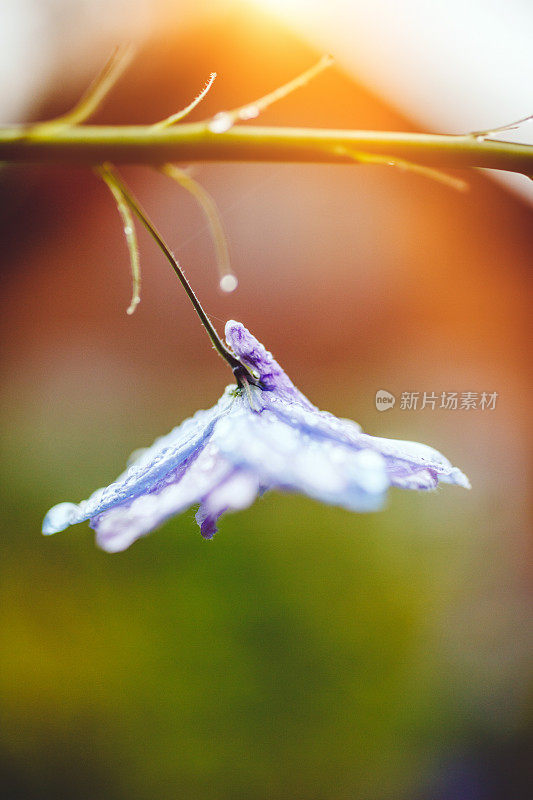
(221, 122)
(133, 305)
(249, 112)
(136, 455)
(228, 283)
(59, 517)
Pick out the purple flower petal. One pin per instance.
(285, 458)
(236, 492)
(143, 475)
(404, 458)
(255, 356)
(121, 525)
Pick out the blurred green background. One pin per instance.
(305, 652)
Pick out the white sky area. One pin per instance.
(450, 65)
(39, 38)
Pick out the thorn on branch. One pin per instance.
(407, 166)
(225, 120)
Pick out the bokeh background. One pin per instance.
(305, 652)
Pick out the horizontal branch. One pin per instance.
(136, 144)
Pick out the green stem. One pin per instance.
(187, 142)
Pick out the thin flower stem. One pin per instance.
(108, 171)
(189, 142)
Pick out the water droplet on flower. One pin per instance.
(136, 455)
(60, 517)
(221, 122)
(128, 230)
(228, 283)
(249, 112)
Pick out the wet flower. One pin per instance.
(257, 437)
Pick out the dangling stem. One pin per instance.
(209, 207)
(130, 236)
(132, 202)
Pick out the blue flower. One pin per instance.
(257, 437)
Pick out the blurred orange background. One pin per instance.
(306, 652)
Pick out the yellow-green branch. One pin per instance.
(146, 144)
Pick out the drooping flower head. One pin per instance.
(262, 434)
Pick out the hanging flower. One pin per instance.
(262, 434)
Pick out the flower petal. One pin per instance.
(309, 419)
(117, 528)
(284, 457)
(254, 355)
(153, 465)
(410, 465)
(404, 457)
(238, 491)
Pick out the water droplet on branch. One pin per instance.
(221, 122)
(249, 112)
(228, 283)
